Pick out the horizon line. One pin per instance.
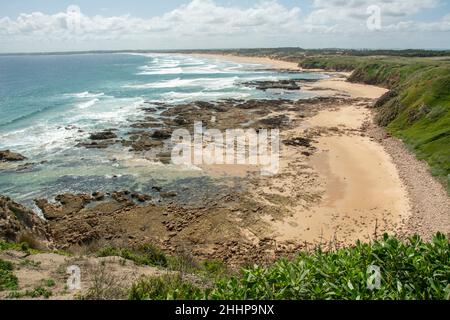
(214, 49)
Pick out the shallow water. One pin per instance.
(48, 102)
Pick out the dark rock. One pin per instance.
(267, 85)
(16, 222)
(204, 105)
(98, 196)
(67, 204)
(275, 122)
(146, 125)
(104, 135)
(170, 194)
(298, 142)
(95, 145)
(143, 143)
(180, 121)
(7, 155)
(122, 197)
(162, 134)
(141, 197)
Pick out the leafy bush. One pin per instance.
(413, 270)
(409, 270)
(8, 281)
(38, 293)
(168, 287)
(24, 247)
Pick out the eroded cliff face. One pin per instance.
(18, 223)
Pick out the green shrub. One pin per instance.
(49, 283)
(8, 281)
(410, 270)
(38, 293)
(145, 255)
(413, 270)
(168, 287)
(6, 265)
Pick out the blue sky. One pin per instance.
(176, 24)
(151, 8)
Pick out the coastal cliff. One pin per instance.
(417, 107)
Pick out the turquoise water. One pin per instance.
(49, 102)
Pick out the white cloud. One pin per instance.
(196, 18)
(204, 23)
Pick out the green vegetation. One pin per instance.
(409, 270)
(417, 109)
(22, 247)
(49, 283)
(8, 281)
(30, 264)
(38, 292)
(167, 287)
(26, 248)
(147, 255)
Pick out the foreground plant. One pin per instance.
(409, 270)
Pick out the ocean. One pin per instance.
(48, 103)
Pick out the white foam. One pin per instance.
(154, 71)
(205, 95)
(86, 95)
(206, 83)
(50, 136)
(88, 104)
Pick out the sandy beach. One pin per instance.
(364, 192)
(270, 63)
(338, 182)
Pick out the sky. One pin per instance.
(77, 25)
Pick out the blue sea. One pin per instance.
(48, 103)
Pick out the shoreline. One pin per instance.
(272, 63)
(426, 217)
(337, 184)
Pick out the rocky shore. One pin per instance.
(236, 215)
(8, 156)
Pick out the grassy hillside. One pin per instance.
(417, 109)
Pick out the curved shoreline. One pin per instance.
(423, 205)
(336, 184)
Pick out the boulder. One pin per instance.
(18, 222)
(104, 135)
(7, 155)
(162, 134)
